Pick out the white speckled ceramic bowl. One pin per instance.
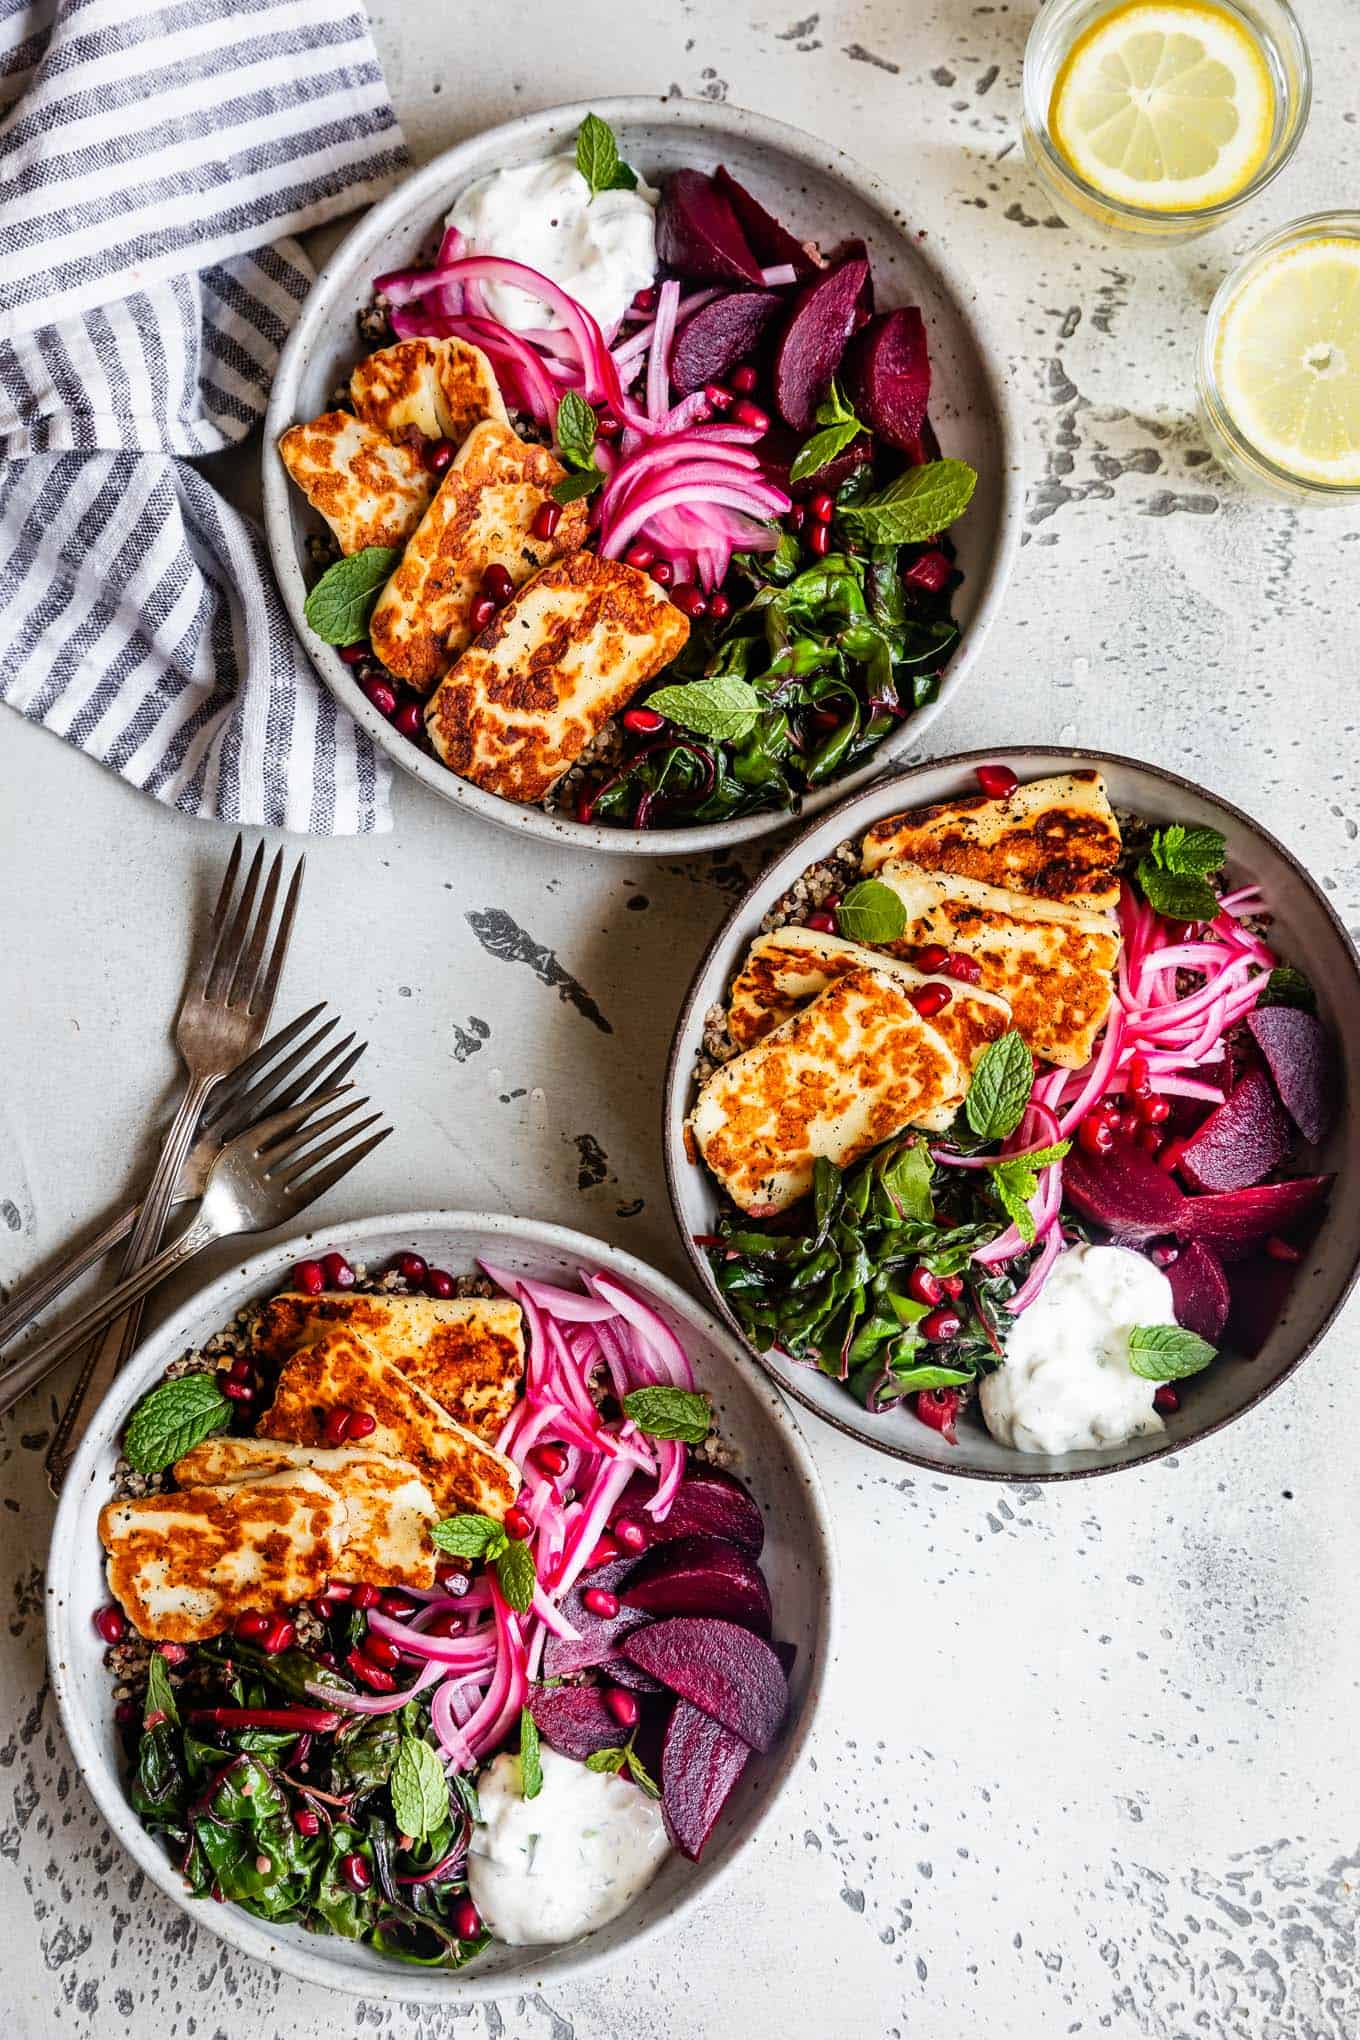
(819, 192)
(798, 1562)
(1309, 934)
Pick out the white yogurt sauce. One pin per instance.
(1065, 1384)
(602, 251)
(566, 1862)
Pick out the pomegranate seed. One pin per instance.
(996, 781)
(629, 1533)
(412, 1267)
(373, 1676)
(744, 412)
(640, 556)
(600, 1602)
(929, 571)
(517, 1524)
(550, 1459)
(400, 1607)
(547, 517)
(953, 1286)
(111, 1624)
(173, 1653)
(932, 958)
(1164, 1253)
(1282, 1250)
(125, 1713)
(382, 695)
(663, 573)
(310, 1277)
(1096, 1134)
(605, 1552)
(335, 1429)
(447, 1623)
(236, 1391)
(832, 902)
(306, 1822)
(380, 1650)
(744, 379)
(796, 517)
(337, 1271)
(1152, 1111)
(644, 300)
(1149, 1140)
(339, 1590)
(824, 923)
(966, 969)
(467, 1921)
(622, 1705)
(361, 1424)
(645, 721)
(930, 999)
(437, 454)
(1170, 1157)
(365, 1596)
(939, 1325)
(354, 655)
(690, 601)
(1140, 1077)
(819, 540)
(498, 584)
(1167, 1399)
(355, 1871)
(719, 608)
(409, 721)
(482, 612)
(608, 426)
(323, 1607)
(241, 1370)
(280, 1635)
(439, 1282)
(938, 1407)
(452, 1576)
(822, 507)
(923, 1287)
(253, 1627)
(717, 397)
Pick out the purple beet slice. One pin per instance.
(886, 376)
(708, 1503)
(814, 341)
(1199, 1285)
(701, 1576)
(719, 1667)
(1236, 1223)
(1124, 1192)
(698, 234)
(701, 1762)
(1242, 1140)
(1301, 1058)
(719, 335)
(573, 1720)
(768, 241)
(620, 1673)
(1260, 1289)
(601, 1635)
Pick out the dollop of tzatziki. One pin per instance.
(568, 1860)
(601, 250)
(1065, 1384)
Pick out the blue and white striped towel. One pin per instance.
(152, 166)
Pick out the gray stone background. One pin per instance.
(1088, 1760)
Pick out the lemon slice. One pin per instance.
(1287, 361)
(1170, 107)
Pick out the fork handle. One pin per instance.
(37, 1294)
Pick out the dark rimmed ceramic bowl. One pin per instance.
(1308, 934)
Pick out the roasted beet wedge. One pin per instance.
(719, 335)
(698, 234)
(769, 242)
(719, 1667)
(1124, 1192)
(1301, 1058)
(701, 1762)
(574, 1720)
(601, 1635)
(1199, 1285)
(814, 341)
(1242, 1140)
(701, 1576)
(886, 375)
(708, 1503)
(1237, 1222)
(1260, 1289)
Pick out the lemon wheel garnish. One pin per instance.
(1170, 107)
(1287, 360)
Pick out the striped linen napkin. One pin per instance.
(152, 168)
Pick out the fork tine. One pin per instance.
(229, 948)
(305, 1155)
(306, 1192)
(245, 1074)
(262, 997)
(271, 1094)
(205, 949)
(248, 968)
(280, 1124)
(287, 1151)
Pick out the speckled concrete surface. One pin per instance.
(1091, 1761)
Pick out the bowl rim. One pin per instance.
(675, 1087)
(223, 1297)
(979, 323)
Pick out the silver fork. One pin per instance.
(263, 1178)
(228, 997)
(236, 1104)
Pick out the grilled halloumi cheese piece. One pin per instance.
(1053, 964)
(1054, 839)
(342, 1370)
(543, 679)
(438, 389)
(389, 1511)
(369, 490)
(185, 1566)
(848, 1071)
(482, 517)
(789, 966)
(465, 1351)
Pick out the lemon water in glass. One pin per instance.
(1154, 120)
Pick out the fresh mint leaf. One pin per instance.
(515, 1575)
(1179, 896)
(839, 426)
(1168, 1352)
(1016, 1178)
(724, 709)
(172, 1420)
(1190, 853)
(576, 487)
(1287, 986)
(607, 1760)
(420, 1791)
(872, 912)
(1002, 1081)
(339, 607)
(530, 1756)
(470, 1537)
(907, 1180)
(640, 1774)
(665, 1412)
(918, 504)
(598, 160)
(575, 430)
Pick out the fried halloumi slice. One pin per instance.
(369, 490)
(482, 517)
(1053, 839)
(789, 966)
(563, 656)
(438, 389)
(389, 1510)
(465, 1351)
(1053, 964)
(185, 1566)
(848, 1071)
(342, 1370)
